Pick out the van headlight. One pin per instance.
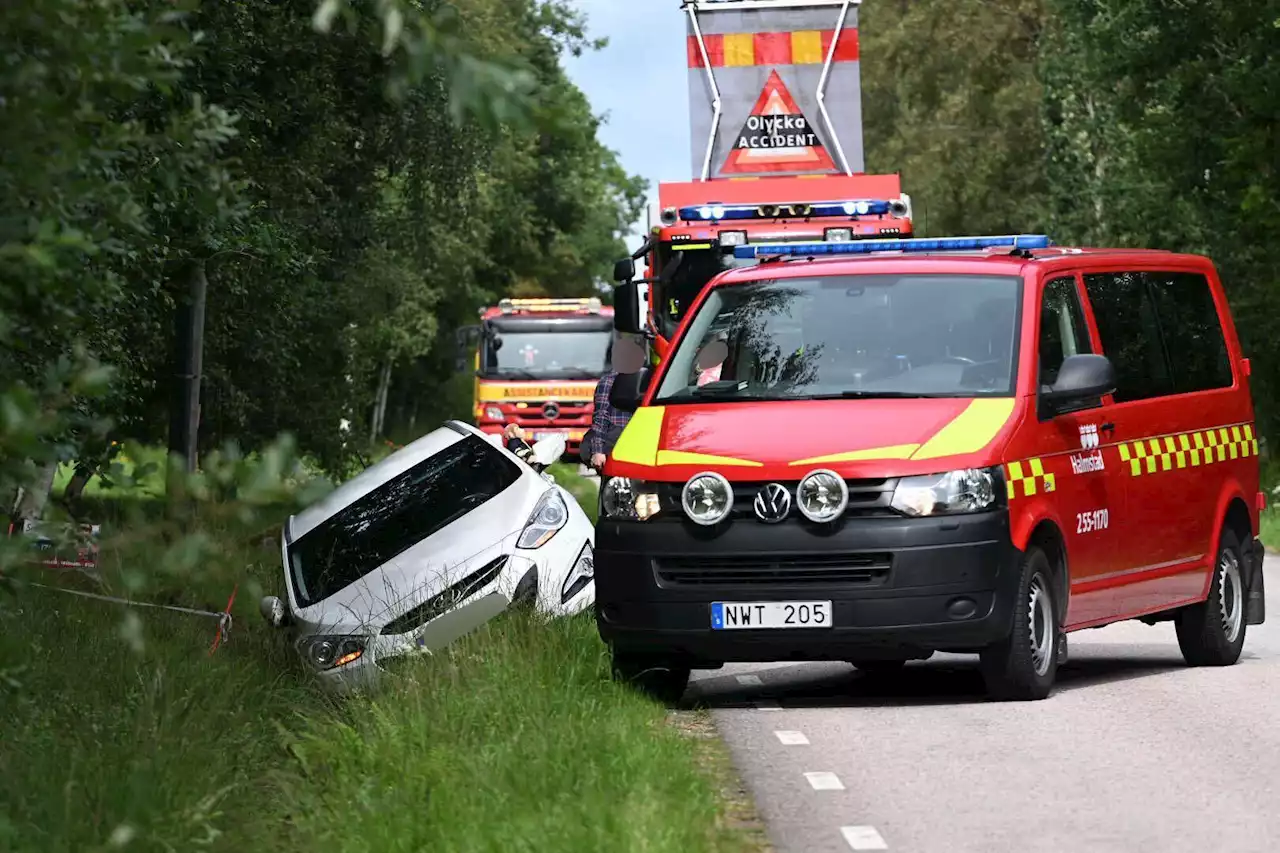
(822, 495)
(548, 517)
(330, 652)
(968, 490)
(707, 498)
(627, 499)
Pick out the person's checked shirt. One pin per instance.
(606, 422)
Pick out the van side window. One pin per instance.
(1126, 315)
(1192, 331)
(1063, 331)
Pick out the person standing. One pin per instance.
(627, 356)
(607, 424)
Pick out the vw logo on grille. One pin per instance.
(773, 502)
(551, 410)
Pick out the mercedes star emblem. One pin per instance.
(773, 502)
(551, 410)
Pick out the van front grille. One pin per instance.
(864, 570)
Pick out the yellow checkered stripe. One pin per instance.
(1026, 478)
(1194, 449)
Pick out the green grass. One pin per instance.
(514, 738)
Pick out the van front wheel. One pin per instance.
(1211, 633)
(658, 679)
(1023, 665)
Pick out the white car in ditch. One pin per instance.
(425, 545)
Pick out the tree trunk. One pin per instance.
(36, 496)
(80, 479)
(380, 404)
(188, 361)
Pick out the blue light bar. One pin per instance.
(914, 244)
(769, 210)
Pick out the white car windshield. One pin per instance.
(397, 515)
(951, 335)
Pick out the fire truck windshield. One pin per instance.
(689, 271)
(551, 353)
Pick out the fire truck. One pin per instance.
(536, 363)
(775, 110)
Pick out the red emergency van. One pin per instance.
(910, 446)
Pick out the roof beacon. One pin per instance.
(917, 244)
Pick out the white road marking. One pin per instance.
(749, 680)
(792, 738)
(768, 706)
(824, 781)
(863, 838)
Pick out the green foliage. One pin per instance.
(355, 180)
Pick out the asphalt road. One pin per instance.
(1133, 752)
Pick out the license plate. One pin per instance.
(538, 436)
(730, 615)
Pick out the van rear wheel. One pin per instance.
(1023, 666)
(1211, 633)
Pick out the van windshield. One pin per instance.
(950, 335)
(397, 515)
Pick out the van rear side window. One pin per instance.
(1161, 331)
(396, 516)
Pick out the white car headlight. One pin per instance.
(707, 498)
(969, 490)
(329, 652)
(548, 517)
(629, 500)
(584, 571)
(822, 495)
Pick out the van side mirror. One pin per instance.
(626, 308)
(624, 270)
(1082, 377)
(629, 389)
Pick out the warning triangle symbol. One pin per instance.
(776, 137)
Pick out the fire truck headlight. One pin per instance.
(733, 238)
(493, 413)
(838, 235)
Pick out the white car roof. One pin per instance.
(380, 472)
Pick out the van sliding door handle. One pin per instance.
(1107, 428)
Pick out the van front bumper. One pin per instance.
(898, 587)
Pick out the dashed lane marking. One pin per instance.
(792, 738)
(863, 838)
(749, 680)
(824, 781)
(768, 706)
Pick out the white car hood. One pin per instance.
(430, 566)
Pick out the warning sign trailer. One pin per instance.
(775, 112)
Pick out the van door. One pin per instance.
(1072, 446)
(1172, 409)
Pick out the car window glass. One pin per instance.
(1192, 331)
(1063, 331)
(1131, 339)
(397, 515)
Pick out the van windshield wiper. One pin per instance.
(876, 395)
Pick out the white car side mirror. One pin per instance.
(549, 449)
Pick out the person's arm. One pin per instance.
(599, 415)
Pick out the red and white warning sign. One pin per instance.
(777, 137)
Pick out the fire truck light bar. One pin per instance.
(916, 244)
(510, 306)
(856, 207)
